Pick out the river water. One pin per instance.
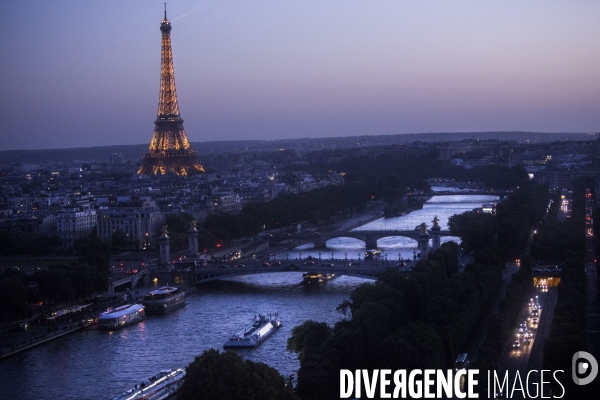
(93, 364)
(395, 247)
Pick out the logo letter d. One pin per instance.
(580, 368)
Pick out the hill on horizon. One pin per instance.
(135, 152)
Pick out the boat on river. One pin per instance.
(373, 254)
(312, 278)
(164, 300)
(254, 334)
(158, 387)
(121, 317)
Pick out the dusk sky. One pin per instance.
(86, 73)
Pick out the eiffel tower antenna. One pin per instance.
(169, 151)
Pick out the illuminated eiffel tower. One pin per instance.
(169, 150)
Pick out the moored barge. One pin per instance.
(164, 300)
(121, 317)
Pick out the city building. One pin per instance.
(225, 203)
(138, 228)
(116, 158)
(73, 223)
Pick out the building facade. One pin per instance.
(75, 223)
(139, 227)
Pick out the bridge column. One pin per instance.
(423, 240)
(435, 237)
(193, 241)
(165, 257)
(319, 242)
(371, 241)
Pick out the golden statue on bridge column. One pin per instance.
(423, 227)
(435, 222)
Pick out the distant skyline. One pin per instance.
(78, 74)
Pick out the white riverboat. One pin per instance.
(121, 317)
(164, 300)
(158, 387)
(254, 334)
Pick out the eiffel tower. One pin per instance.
(169, 150)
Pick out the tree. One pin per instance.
(179, 222)
(55, 242)
(96, 252)
(13, 298)
(55, 285)
(476, 230)
(309, 335)
(227, 376)
(119, 240)
(179, 225)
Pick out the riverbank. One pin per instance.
(359, 220)
(34, 333)
(27, 334)
(18, 342)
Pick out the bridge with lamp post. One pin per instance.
(370, 237)
(500, 193)
(364, 269)
(202, 272)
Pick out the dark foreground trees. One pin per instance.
(227, 376)
(476, 229)
(60, 283)
(30, 243)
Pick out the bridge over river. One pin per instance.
(365, 269)
(500, 193)
(370, 237)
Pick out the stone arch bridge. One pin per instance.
(500, 193)
(368, 270)
(370, 237)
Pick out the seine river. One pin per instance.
(92, 364)
(396, 247)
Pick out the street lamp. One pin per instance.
(332, 256)
(346, 256)
(319, 256)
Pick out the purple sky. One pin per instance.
(81, 73)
